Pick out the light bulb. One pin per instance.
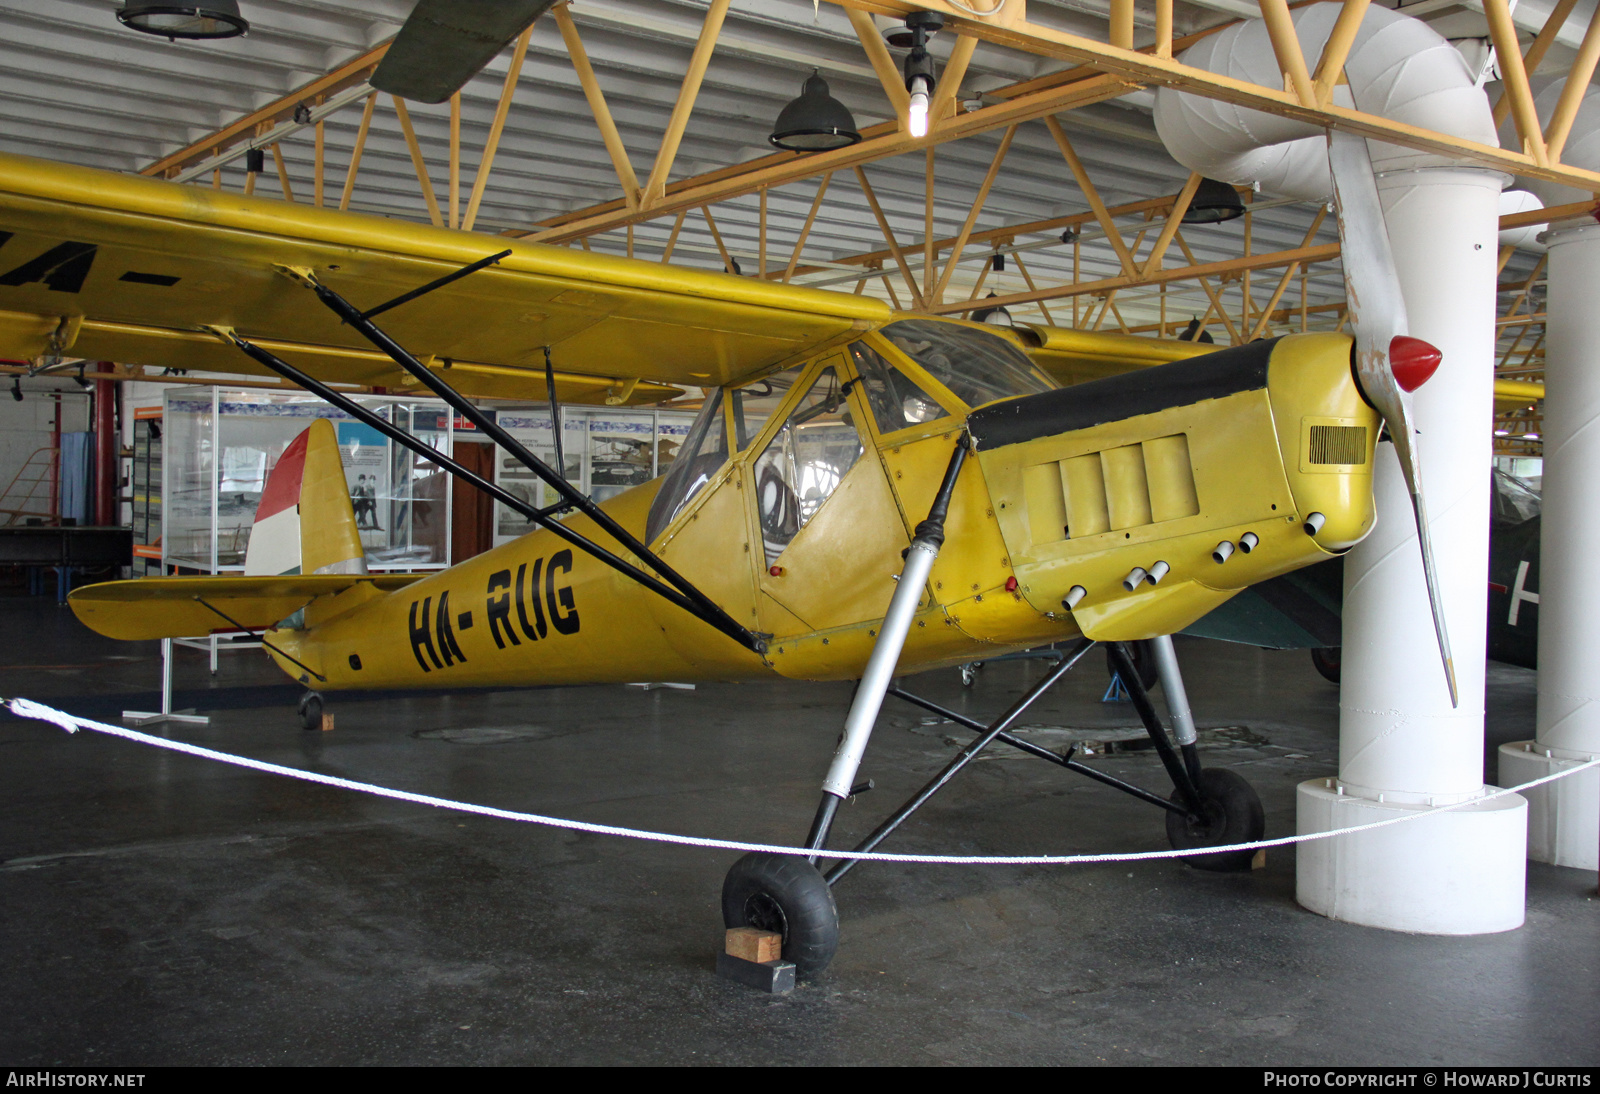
(918, 113)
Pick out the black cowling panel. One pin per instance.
(1212, 376)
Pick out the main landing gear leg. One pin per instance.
(789, 895)
(1220, 807)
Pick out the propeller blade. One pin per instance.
(444, 43)
(1389, 363)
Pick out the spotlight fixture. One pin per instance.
(255, 160)
(995, 316)
(1213, 203)
(210, 19)
(919, 69)
(814, 122)
(998, 262)
(1071, 233)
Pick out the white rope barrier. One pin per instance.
(26, 708)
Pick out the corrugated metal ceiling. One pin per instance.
(78, 87)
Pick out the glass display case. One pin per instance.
(220, 445)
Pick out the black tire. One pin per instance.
(310, 711)
(1232, 814)
(786, 894)
(1326, 662)
(1144, 663)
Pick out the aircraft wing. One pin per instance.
(144, 608)
(122, 268)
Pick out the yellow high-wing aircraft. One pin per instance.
(863, 493)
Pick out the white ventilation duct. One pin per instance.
(1403, 746)
(1398, 68)
(1564, 817)
(1583, 141)
(1521, 201)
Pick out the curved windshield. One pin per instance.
(704, 452)
(896, 399)
(977, 367)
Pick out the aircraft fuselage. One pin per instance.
(1085, 488)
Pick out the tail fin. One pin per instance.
(306, 523)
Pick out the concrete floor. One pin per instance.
(167, 910)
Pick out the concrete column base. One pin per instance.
(1563, 816)
(1461, 872)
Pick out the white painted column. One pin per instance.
(1402, 748)
(1564, 816)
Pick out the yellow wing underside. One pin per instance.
(122, 268)
(175, 607)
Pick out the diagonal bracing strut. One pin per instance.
(541, 517)
(707, 609)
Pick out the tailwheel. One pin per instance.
(1231, 813)
(785, 894)
(310, 711)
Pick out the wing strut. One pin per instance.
(699, 605)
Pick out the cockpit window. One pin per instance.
(754, 403)
(805, 462)
(704, 452)
(976, 366)
(896, 400)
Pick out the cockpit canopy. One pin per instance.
(911, 372)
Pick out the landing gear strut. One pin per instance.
(793, 897)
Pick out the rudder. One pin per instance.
(306, 523)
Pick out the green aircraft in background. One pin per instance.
(1302, 610)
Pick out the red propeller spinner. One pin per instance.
(1412, 361)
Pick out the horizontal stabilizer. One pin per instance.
(176, 607)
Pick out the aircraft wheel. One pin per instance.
(1232, 814)
(310, 711)
(969, 673)
(1326, 662)
(786, 894)
(1144, 662)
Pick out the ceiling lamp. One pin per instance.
(1213, 203)
(210, 19)
(919, 69)
(995, 316)
(814, 122)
